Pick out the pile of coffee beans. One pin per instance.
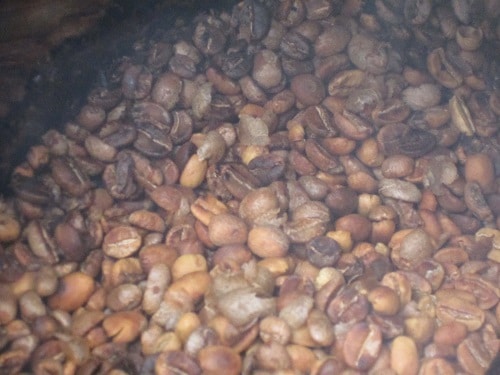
(288, 187)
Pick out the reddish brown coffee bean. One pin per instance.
(473, 356)
(227, 229)
(451, 333)
(436, 366)
(71, 242)
(321, 158)
(217, 358)
(454, 308)
(73, 291)
(124, 326)
(121, 242)
(359, 226)
(362, 346)
(487, 293)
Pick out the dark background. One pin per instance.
(52, 53)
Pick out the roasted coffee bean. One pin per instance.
(342, 200)
(254, 19)
(10, 267)
(291, 12)
(152, 141)
(267, 168)
(454, 308)
(236, 64)
(296, 46)
(118, 177)
(475, 201)
(238, 180)
(317, 122)
(292, 67)
(472, 354)
(349, 306)
(368, 54)
(176, 361)
(136, 82)
(183, 65)
(402, 139)
(30, 189)
(209, 39)
(121, 242)
(321, 158)
(362, 346)
(69, 176)
(117, 134)
(323, 251)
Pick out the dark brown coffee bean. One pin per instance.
(402, 139)
(268, 168)
(317, 121)
(118, 134)
(292, 67)
(118, 177)
(167, 90)
(136, 82)
(321, 158)
(323, 251)
(69, 177)
(159, 55)
(291, 12)
(308, 89)
(208, 38)
(254, 19)
(342, 200)
(236, 64)
(182, 65)
(475, 201)
(104, 97)
(238, 180)
(152, 141)
(352, 126)
(359, 226)
(296, 46)
(30, 189)
(10, 268)
(70, 241)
